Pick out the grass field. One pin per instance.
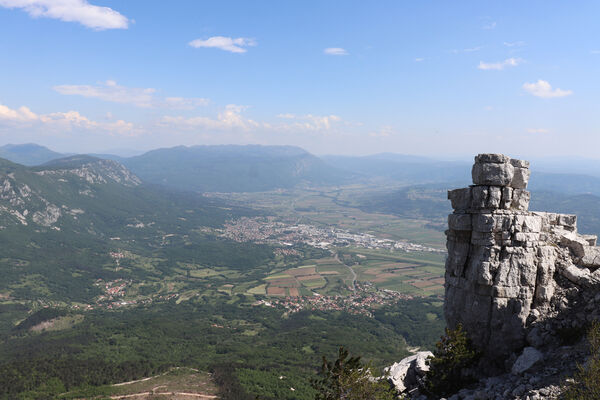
(410, 273)
(413, 273)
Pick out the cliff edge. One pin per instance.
(523, 284)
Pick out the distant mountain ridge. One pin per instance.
(254, 168)
(233, 168)
(28, 154)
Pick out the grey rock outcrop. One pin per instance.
(524, 285)
(527, 360)
(509, 269)
(407, 374)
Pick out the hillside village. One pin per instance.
(361, 301)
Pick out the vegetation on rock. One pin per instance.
(453, 356)
(350, 379)
(586, 383)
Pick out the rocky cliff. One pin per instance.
(509, 269)
(523, 284)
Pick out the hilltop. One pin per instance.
(230, 168)
(28, 154)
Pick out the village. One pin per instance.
(268, 230)
(362, 301)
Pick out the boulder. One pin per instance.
(591, 257)
(520, 178)
(460, 198)
(491, 158)
(406, 374)
(527, 360)
(492, 174)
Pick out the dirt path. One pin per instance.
(186, 394)
(139, 380)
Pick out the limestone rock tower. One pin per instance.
(504, 262)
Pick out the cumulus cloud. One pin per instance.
(537, 130)
(309, 122)
(95, 17)
(110, 91)
(232, 45)
(335, 51)
(544, 90)
(230, 118)
(23, 117)
(498, 66)
(141, 97)
(22, 114)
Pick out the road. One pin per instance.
(353, 286)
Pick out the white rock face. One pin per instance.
(406, 373)
(48, 216)
(503, 260)
(527, 360)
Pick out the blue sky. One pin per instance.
(334, 77)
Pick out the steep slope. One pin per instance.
(28, 154)
(250, 168)
(60, 222)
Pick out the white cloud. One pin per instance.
(537, 130)
(544, 90)
(224, 43)
(384, 131)
(23, 117)
(228, 119)
(309, 122)
(520, 43)
(22, 114)
(491, 25)
(232, 119)
(184, 103)
(141, 97)
(419, 59)
(498, 66)
(467, 50)
(95, 17)
(335, 51)
(110, 91)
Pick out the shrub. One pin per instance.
(449, 367)
(586, 382)
(349, 379)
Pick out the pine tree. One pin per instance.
(349, 379)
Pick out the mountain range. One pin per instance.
(255, 168)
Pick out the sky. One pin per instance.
(436, 78)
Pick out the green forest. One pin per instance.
(249, 347)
